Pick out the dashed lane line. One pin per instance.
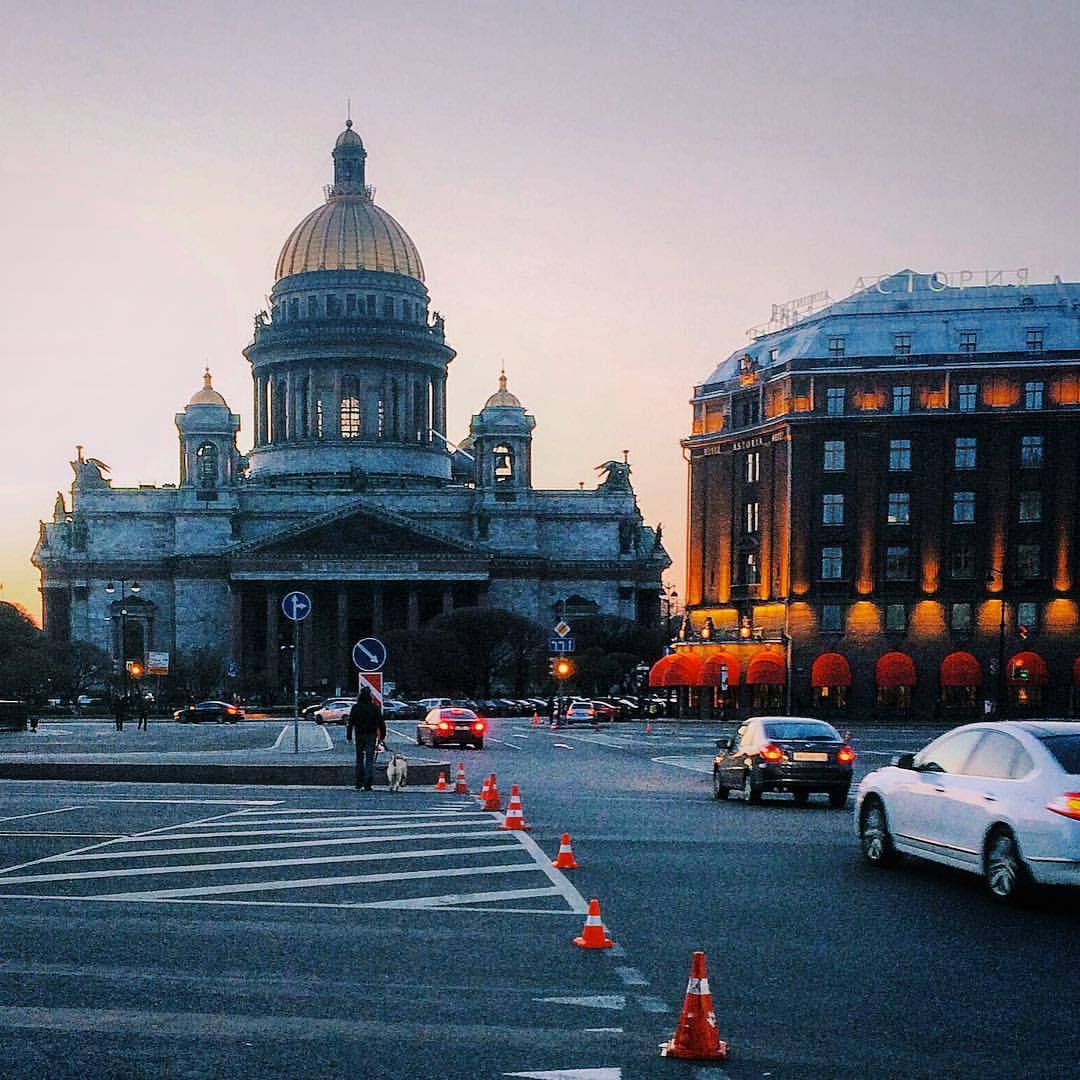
(41, 813)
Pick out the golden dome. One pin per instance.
(502, 396)
(207, 395)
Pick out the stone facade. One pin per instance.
(351, 490)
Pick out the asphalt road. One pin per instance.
(274, 932)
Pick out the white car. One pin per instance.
(334, 711)
(997, 799)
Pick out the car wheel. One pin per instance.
(1004, 871)
(874, 837)
(479, 744)
(719, 791)
(751, 792)
(801, 797)
(838, 797)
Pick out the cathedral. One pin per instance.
(351, 489)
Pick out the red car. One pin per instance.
(453, 725)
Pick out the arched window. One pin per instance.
(350, 409)
(206, 465)
(503, 464)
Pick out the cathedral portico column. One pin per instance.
(439, 404)
(334, 425)
(413, 619)
(271, 633)
(312, 397)
(260, 409)
(377, 609)
(290, 406)
(341, 638)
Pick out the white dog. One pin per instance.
(397, 772)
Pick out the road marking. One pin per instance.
(138, 838)
(85, 835)
(455, 901)
(559, 880)
(40, 813)
(693, 764)
(631, 976)
(196, 802)
(596, 1001)
(575, 1074)
(652, 1004)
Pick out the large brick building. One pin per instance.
(884, 509)
(351, 490)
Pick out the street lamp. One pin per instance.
(135, 588)
(1000, 693)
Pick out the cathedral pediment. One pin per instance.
(357, 532)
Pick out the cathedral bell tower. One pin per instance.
(501, 435)
(208, 456)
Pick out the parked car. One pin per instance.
(333, 711)
(581, 712)
(393, 709)
(784, 753)
(1001, 800)
(429, 703)
(605, 710)
(221, 711)
(442, 726)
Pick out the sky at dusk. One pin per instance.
(605, 196)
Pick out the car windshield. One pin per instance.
(800, 729)
(1066, 749)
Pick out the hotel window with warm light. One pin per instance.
(899, 512)
(963, 507)
(899, 455)
(750, 517)
(964, 452)
(1031, 452)
(967, 397)
(833, 460)
(752, 467)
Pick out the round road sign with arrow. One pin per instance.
(369, 654)
(296, 605)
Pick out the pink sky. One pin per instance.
(605, 196)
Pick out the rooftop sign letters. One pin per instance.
(940, 280)
(789, 313)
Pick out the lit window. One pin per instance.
(832, 563)
(1027, 615)
(834, 455)
(901, 399)
(1034, 339)
(835, 400)
(1028, 561)
(774, 355)
(832, 509)
(897, 563)
(350, 409)
(899, 508)
(960, 618)
(902, 344)
(964, 451)
(968, 340)
(963, 507)
(832, 618)
(1030, 506)
(752, 470)
(967, 397)
(750, 517)
(899, 455)
(1031, 452)
(750, 568)
(836, 347)
(1033, 395)
(896, 617)
(962, 564)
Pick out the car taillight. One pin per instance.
(845, 755)
(1067, 805)
(444, 726)
(478, 727)
(772, 753)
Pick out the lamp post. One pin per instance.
(110, 588)
(996, 571)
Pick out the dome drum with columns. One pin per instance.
(350, 490)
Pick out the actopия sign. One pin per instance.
(940, 280)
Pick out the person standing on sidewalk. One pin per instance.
(120, 712)
(144, 714)
(366, 725)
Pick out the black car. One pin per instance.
(784, 753)
(221, 711)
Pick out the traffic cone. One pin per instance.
(484, 789)
(594, 936)
(536, 719)
(493, 800)
(515, 818)
(460, 787)
(648, 728)
(696, 1037)
(565, 859)
(441, 785)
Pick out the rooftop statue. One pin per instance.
(88, 471)
(616, 476)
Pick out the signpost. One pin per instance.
(369, 654)
(297, 607)
(562, 644)
(560, 670)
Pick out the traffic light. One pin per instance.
(561, 667)
(134, 669)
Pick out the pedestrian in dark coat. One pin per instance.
(366, 726)
(120, 712)
(144, 713)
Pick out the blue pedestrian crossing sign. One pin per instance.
(369, 654)
(296, 605)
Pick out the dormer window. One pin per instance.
(747, 364)
(837, 347)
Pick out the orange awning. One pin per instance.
(895, 669)
(657, 673)
(1027, 669)
(830, 669)
(710, 672)
(677, 669)
(766, 669)
(961, 669)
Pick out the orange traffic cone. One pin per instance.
(696, 1037)
(536, 719)
(441, 785)
(515, 818)
(594, 936)
(565, 859)
(493, 801)
(460, 787)
(484, 789)
(648, 728)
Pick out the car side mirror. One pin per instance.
(904, 761)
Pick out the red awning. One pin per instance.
(1027, 669)
(830, 669)
(766, 669)
(677, 669)
(961, 669)
(710, 672)
(895, 669)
